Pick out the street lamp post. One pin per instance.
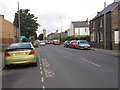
(61, 29)
(44, 34)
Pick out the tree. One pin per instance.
(32, 39)
(28, 23)
(40, 37)
(25, 40)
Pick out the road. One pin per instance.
(60, 67)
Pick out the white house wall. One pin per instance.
(82, 31)
(71, 31)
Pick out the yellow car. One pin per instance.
(20, 53)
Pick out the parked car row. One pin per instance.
(46, 42)
(54, 42)
(78, 44)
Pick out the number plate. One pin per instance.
(19, 54)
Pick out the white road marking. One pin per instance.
(42, 79)
(46, 68)
(40, 64)
(91, 62)
(40, 68)
(49, 72)
(41, 72)
(46, 64)
(43, 87)
(39, 57)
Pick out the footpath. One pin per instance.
(106, 51)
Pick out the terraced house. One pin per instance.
(104, 28)
(9, 33)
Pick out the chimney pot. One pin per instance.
(2, 15)
(104, 4)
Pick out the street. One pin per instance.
(60, 67)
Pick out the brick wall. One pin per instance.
(7, 41)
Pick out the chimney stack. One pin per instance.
(104, 4)
(2, 16)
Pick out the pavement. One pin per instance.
(111, 52)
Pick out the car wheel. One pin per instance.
(79, 48)
(7, 66)
(35, 64)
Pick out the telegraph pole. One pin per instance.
(44, 34)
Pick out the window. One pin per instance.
(101, 23)
(101, 36)
(116, 36)
(19, 45)
(93, 36)
(93, 25)
(98, 37)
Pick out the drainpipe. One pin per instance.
(105, 27)
(104, 31)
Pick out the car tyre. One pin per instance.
(35, 64)
(7, 66)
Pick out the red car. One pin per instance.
(73, 44)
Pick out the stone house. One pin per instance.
(104, 27)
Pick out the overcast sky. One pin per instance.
(50, 11)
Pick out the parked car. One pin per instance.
(83, 44)
(56, 42)
(66, 43)
(42, 43)
(49, 42)
(73, 44)
(20, 53)
(36, 43)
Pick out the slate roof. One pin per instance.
(79, 23)
(107, 9)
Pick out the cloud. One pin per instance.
(8, 9)
(3, 7)
(51, 22)
(49, 11)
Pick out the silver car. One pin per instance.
(83, 44)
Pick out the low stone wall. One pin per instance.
(95, 45)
